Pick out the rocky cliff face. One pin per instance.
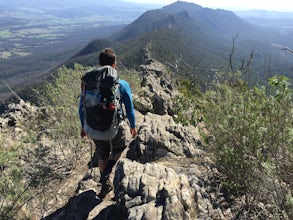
(165, 172)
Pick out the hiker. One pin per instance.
(112, 141)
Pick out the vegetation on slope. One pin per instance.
(41, 145)
(250, 133)
(252, 140)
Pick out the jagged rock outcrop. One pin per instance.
(153, 191)
(24, 121)
(160, 137)
(157, 90)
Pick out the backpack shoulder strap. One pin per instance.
(83, 96)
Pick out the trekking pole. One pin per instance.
(88, 176)
(111, 148)
(84, 115)
(91, 161)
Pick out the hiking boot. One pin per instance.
(107, 186)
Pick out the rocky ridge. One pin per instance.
(164, 174)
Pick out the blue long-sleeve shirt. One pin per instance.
(126, 99)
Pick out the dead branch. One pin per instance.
(242, 66)
(232, 53)
(11, 90)
(287, 48)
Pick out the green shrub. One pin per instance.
(132, 77)
(186, 104)
(61, 97)
(11, 187)
(251, 137)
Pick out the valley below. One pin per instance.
(37, 38)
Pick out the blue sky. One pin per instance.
(273, 5)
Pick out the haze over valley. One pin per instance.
(37, 37)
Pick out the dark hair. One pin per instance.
(107, 57)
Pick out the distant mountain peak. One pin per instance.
(184, 14)
(180, 6)
(201, 36)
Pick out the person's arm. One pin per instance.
(126, 99)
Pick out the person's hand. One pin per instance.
(82, 133)
(133, 132)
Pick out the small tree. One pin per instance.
(252, 139)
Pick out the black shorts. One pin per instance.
(118, 145)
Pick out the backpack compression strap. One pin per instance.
(83, 97)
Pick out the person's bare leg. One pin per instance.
(107, 165)
(117, 156)
(102, 165)
(106, 169)
(107, 186)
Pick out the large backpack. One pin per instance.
(101, 98)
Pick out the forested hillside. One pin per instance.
(200, 42)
